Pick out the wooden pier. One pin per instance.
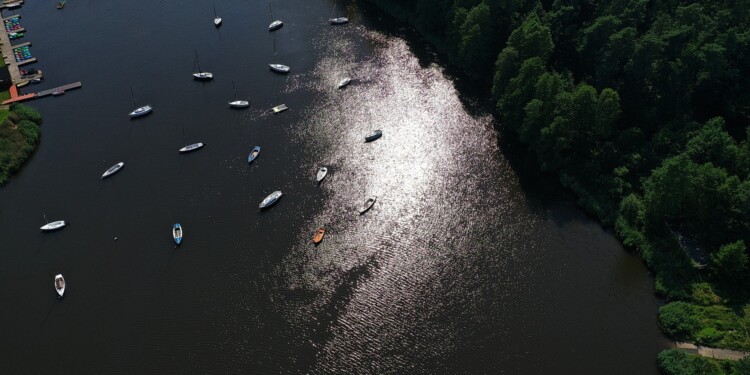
(15, 98)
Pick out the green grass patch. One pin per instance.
(677, 362)
(19, 136)
(4, 95)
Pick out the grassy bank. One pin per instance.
(19, 136)
(676, 362)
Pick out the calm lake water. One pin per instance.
(469, 262)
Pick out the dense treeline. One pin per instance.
(19, 136)
(642, 107)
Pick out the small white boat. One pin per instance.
(201, 75)
(270, 199)
(13, 5)
(177, 233)
(55, 225)
(58, 93)
(322, 172)
(236, 103)
(344, 82)
(239, 104)
(368, 204)
(338, 20)
(373, 136)
(141, 111)
(192, 147)
(279, 68)
(279, 108)
(253, 154)
(217, 19)
(275, 25)
(60, 285)
(112, 170)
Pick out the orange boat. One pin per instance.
(319, 235)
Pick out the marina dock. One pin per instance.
(12, 53)
(15, 98)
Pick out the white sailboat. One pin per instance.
(217, 19)
(140, 111)
(275, 25)
(236, 103)
(201, 75)
(322, 172)
(337, 20)
(275, 67)
(55, 225)
(112, 170)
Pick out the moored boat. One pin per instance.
(279, 108)
(60, 4)
(270, 199)
(112, 170)
(338, 20)
(191, 147)
(177, 233)
(141, 111)
(373, 136)
(58, 92)
(344, 82)
(368, 204)
(322, 172)
(236, 103)
(217, 19)
(201, 75)
(253, 154)
(318, 237)
(60, 285)
(275, 25)
(279, 68)
(239, 104)
(55, 225)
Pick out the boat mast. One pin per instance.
(132, 94)
(198, 61)
(215, 16)
(234, 89)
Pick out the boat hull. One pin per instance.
(368, 205)
(253, 154)
(344, 82)
(270, 200)
(191, 148)
(279, 68)
(203, 76)
(275, 25)
(318, 237)
(53, 226)
(322, 172)
(113, 169)
(239, 104)
(373, 136)
(59, 285)
(177, 233)
(338, 21)
(140, 111)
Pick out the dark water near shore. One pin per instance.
(466, 264)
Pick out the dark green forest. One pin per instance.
(19, 136)
(643, 109)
